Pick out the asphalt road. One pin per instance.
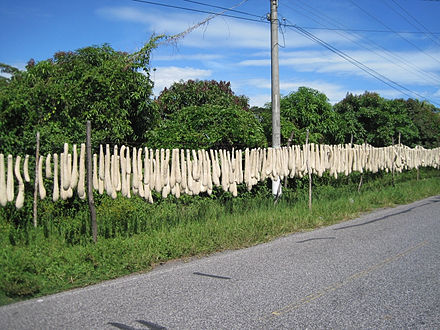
(378, 271)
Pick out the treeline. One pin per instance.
(114, 90)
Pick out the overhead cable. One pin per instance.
(428, 33)
(260, 20)
(224, 8)
(199, 10)
(390, 29)
(390, 56)
(398, 87)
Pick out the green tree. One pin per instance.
(205, 114)
(9, 71)
(208, 126)
(57, 96)
(427, 119)
(198, 93)
(304, 109)
(351, 127)
(371, 118)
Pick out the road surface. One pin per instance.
(381, 270)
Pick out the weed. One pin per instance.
(134, 235)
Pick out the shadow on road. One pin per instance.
(316, 238)
(148, 325)
(435, 200)
(213, 276)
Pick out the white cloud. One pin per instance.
(124, 14)
(18, 65)
(417, 68)
(334, 92)
(219, 32)
(259, 100)
(388, 93)
(166, 76)
(225, 45)
(6, 75)
(196, 57)
(258, 83)
(261, 62)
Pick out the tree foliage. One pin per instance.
(375, 120)
(208, 126)
(205, 114)
(304, 109)
(427, 120)
(57, 96)
(198, 93)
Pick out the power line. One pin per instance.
(261, 20)
(203, 22)
(389, 55)
(198, 10)
(366, 30)
(224, 8)
(400, 88)
(430, 35)
(383, 24)
(310, 36)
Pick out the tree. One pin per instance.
(208, 126)
(9, 71)
(351, 127)
(426, 118)
(205, 114)
(57, 96)
(198, 93)
(375, 120)
(304, 109)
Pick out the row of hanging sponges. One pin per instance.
(141, 171)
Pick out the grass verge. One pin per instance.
(34, 263)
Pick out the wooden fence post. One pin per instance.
(362, 174)
(289, 141)
(90, 182)
(308, 170)
(37, 156)
(392, 162)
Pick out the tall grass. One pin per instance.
(134, 235)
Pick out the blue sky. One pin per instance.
(398, 39)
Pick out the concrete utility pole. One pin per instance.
(275, 86)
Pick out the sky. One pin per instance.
(391, 47)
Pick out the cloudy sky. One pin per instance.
(387, 46)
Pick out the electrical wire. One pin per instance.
(398, 34)
(365, 30)
(428, 33)
(400, 88)
(396, 86)
(392, 57)
(262, 19)
(223, 8)
(198, 10)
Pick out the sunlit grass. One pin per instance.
(134, 237)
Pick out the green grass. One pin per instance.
(134, 236)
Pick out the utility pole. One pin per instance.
(275, 86)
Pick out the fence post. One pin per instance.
(362, 174)
(392, 162)
(289, 141)
(90, 182)
(308, 170)
(37, 156)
